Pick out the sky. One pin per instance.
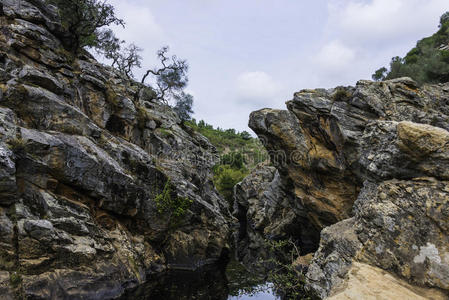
(246, 55)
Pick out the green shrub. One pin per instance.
(225, 178)
(341, 94)
(233, 159)
(239, 152)
(171, 205)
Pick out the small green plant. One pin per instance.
(171, 205)
(341, 94)
(283, 274)
(165, 132)
(15, 279)
(17, 145)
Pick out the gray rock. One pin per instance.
(8, 185)
(372, 160)
(34, 76)
(5, 290)
(39, 229)
(398, 226)
(71, 225)
(405, 150)
(265, 213)
(78, 188)
(338, 245)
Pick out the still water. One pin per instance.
(230, 282)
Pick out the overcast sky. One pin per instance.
(245, 55)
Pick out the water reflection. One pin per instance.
(230, 282)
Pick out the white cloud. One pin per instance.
(140, 22)
(362, 35)
(335, 56)
(377, 21)
(142, 29)
(257, 87)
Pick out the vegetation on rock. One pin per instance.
(287, 279)
(183, 106)
(171, 205)
(86, 23)
(239, 153)
(428, 62)
(84, 20)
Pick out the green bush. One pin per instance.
(225, 178)
(239, 153)
(341, 94)
(171, 205)
(234, 160)
(15, 279)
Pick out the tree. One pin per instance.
(245, 135)
(83, 19)
(171, 78)
(234, 159)
(124, 59)
(109, 45)
(444, 18)
(127, 59)
(183, 107)
(225, 178)
(379, 75)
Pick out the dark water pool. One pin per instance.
(230, 282)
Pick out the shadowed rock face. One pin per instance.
(371, 160)
(83, 156)
(265, 212)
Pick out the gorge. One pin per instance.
(102, 187)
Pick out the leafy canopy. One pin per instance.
(183, 107)
(84, 20)
(170, 78)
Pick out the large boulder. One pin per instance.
(316, 143)
(367, 165)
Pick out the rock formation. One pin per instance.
(367, 165)
(265, 212)
(85, 158)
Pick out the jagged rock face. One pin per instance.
(399, 226)
(264, 212)
(316, 143)
(372, 160)
(401, 214)
(83, 155)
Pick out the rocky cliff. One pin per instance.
(100, 185)
(367, 165)
(265, 211)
